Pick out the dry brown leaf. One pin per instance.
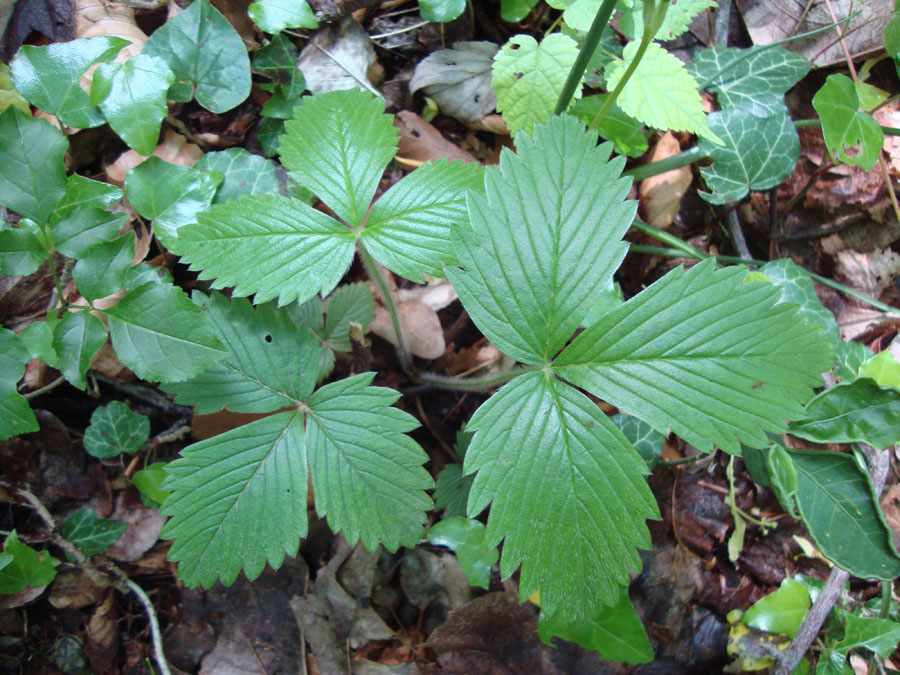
(174, 149)
(420, 141)
(102, 648)
(144, 526)
(870, 273)
(437, 296)
(21, 598)
(493, 123)
(105, 361)
(660, 196)
(72, 589)
(421, 328)
(97, 18)
(855, 321)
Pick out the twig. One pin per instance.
(143, 393)
(47, 387)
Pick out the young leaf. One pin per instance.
(76, 338)
(844, 126)
(717, 361)
(878, 635)
(441, 10)
(661, 93)
(451, 490)
(465, 537)
(797, 287)
(338, 145)
(115, 429)
(132, 96)
(170, 195)
(149, 483)
(529, 77)
(543, 241)
(161, 335)
(758, 152)
(678, 19)
(27, 568)
(21, 252)
(101, 270)
(273, 16)
(15, 413)
(84, 228)
(626, 133)
(567, 493)
(244, 173)
(883, 368)
(207, 56)
(349, 303)
(781, 611)
(32, 174)
(90, 533)
(37, 338)
(49, 77)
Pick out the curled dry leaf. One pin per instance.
(421, 328)
(144, 526)
(437, 296)
(340, 56)
(97, 18)
(174, 149)
(72, 589)
(459, 80)
(660, 196)
(422, 142)
(871, 273)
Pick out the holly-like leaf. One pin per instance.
(529, 77)
(273, 16)
(660, 93)
(83, 194)
(758, 152)
(207, 56)
(441, 10)
(115, 429)
(49, 77)
(132, 96)
(27, 567)
(852, 136)
(161, 335)
(90, 533)
(21, 250)
(465, 537)
(244, 173)
(76, 338)
(567, 493)
(15, 413)
(781, 611)
(678, 18)
(32, 173)
(717, 361)
(797, 287)
(543, 241)
(101, 270)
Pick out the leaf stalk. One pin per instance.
(387, 297)
(475, 383)
(601, 19)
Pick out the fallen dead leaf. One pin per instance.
(144, 526)
(660, 196)
(21, 598)
(422, 331)
(105, 361)
(459, 80)
(98, 18)
(339, 56)
(72, 589)
(870, 273)
(435, 295)
(102, 646)
(890, 504)
(174, 149)
(422, 142)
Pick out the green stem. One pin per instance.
(685, 158)
(887, 588)
(670, 239)
(51, 263)
(388, 298)
(601, 19)
(801, 124)
(474, 383)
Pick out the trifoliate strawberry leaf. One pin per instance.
(678, 19)
(758, 152)
(661, 93)
(132, 96)
(244, 173)
(90, 533)
(49, 77)
(170, 195)
(32, 173)
(76, 338)
(273, 16)
(297, 250)
(529, 77)
(717, 361)
(161, 335)
(27, 568)
(338, 145)
(543, 241)
(207, 56)
(408, 229)
(567, 493)
(852, 136)
(267, 366)
(366, 473)
(756, 76)
(115, 429)
(15, 413)
(101, 270)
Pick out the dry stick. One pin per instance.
(121, 582)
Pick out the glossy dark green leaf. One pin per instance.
(854, 412)
(273, 16)
(21, 252)
(115, 429)
(83, 193)
(441, 10)
(76, 339)
(244, 173)
(149, 482)
(27, 568)
(101, 269)
(138, 275)
(515, 10)
(849, 356)
(83, 228)
(49, 77)
(465, 537)
(781, 611)
(277, 61)
(626, 133)
(269, 132)
(38, 340)
(877, 635)
(15, 413)
(645, 439)
(207, 56)
(90, 533)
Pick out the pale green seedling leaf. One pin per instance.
(626, 133)
(273, 16)
(644, 438)
(83, 228)
(15, 413)
(441, 10)
(877, 635)
(27, 567)
(853, 412)
(757, 153)
(529, 77)
(115, 429)
(49, 77)
(170, 195)
(567, 493)
(660, 93)
(717, 361)
(21, 252)
(244, 173)
(338, 145)
(149, 483)
(869, 96)
(883, 368)
(161, 335)
(32, 173)
(206, 54)
(678, 18)
(101, 269)
(408, 229)
(132, 96)
(838, 504)
(781, 611)
(852, 136)
(543, 241)
(9, 96)
(297, 251)
(465, 537)
(91, 534)
(797, 287)
(76, 338)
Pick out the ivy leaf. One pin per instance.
(543, 241)
(661, 93)
(514, 11)
(32, 174)
(567, 493)
(441, 10)
(76, 338)
(170, 195)
(161, 335)
(878, 635)
(101, 270)
(49, 77)
(207, 56)
(115, 429)
(756, 76)
(645, 439)
(273, 16)
(757, 152)
(27, 567)
(797, 287)
(244, 173)
(529, 77)
(132, 96)
(849, 358)
(717, 361)
(16, 416)
(38, 340)
(844, 126)
(90, 533)
(408, 229)
(338, 145)
(465, 537)
(678, 19)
